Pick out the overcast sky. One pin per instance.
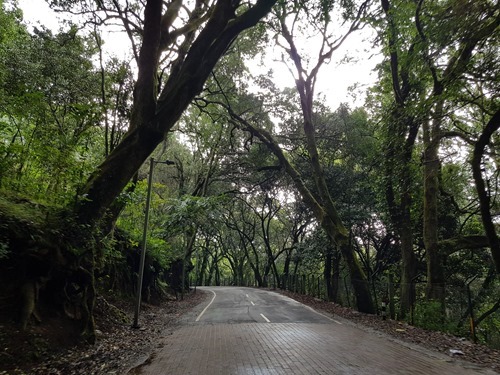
(335, 79)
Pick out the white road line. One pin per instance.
(267, 320)
(205, 309)
(253, 304)
(246, 295)
(314, 311)
(323, 315)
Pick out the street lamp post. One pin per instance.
(144, 239)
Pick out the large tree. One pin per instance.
(207, 30)
(401, 122)
(305, 81)
(180, 44)
(467, 32)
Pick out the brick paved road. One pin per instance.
(258, 347)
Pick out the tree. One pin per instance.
(446, 68)
(401, 125)
(180, 46)
(326, 212)
(428, 82)
(208, 32)
(484, 198)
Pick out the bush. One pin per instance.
(430, 315)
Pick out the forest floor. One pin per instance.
(120, 348)
(46, 349)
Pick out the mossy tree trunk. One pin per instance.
(323, 206)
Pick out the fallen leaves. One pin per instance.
(119, 347)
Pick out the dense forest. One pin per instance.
(224, 176)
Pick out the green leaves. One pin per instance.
(50, 109)
(187, 213)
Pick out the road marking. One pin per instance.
(267, 320)
(246, 295)
(205, 309)
(314, 311)
(323, 315)
(253, 304)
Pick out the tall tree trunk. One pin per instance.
(153, 116)
(397, 171)
(327, 273)
(323, 207)
(408, 265)
(435, 272)
(332, 222)
(336, 276)
(402, 129)
(484, 199)
(152, 119)
(398, 162)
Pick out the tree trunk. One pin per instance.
(151, 121)
(323, 206)
(484, 199)
(336, 277)
(327, 273)
(203, 267)
(402, 129)
(435, 272)
(397, 172)
(153, 116)
(408, 274)
(408, 259)
(326, 216)
(335, 229)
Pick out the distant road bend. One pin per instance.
(253, 331)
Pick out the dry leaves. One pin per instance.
(118, 348)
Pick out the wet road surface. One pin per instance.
(252, 331)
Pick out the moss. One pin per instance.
(24, 209)
(41, 247)
(25, 225)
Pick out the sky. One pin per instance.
(335, 79)
(37, 11)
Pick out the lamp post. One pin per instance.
(144, 239)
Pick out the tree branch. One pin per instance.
(484, 199)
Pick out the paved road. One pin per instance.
(251, 331)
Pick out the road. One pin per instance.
(252, 331)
